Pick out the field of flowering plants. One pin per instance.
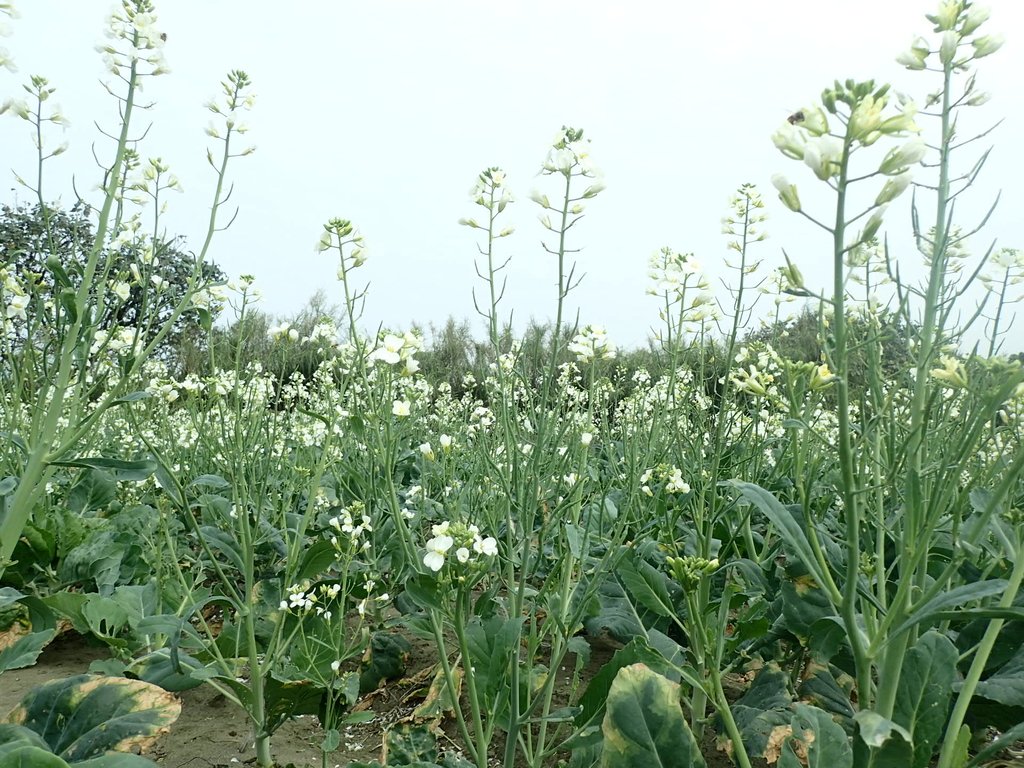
(742, 555)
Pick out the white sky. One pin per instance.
(384, 113)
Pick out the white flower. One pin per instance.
(426, 451)
(446, 442)
(586, 438)
(436, 549)
(488, 546)
(122, 290)
(462, 555)
(390, 349)
(335, 665)
(16, 306)
(400, 408)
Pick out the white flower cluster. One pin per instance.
(398, 350)
(345, 523)
(134, 23)
(670, 477)
(670, 272)
(469, 546)
(592, 343)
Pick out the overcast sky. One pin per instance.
(384, 113)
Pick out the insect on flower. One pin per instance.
(796, 117)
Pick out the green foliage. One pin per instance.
(86, 718)
(644, 724)
(33, 238)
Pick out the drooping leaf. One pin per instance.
(890, 742)
(964, 593)
(135, 471)
(385, 658)
(821, 687)
(785, 522)
(644, 724)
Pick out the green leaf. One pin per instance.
(135, 471)
(213, 482)
(19, 734)
(821, 688)
(828, 748)
(890, 742)
(171, 671)
(1006, 686)
(965, 593)
(116, 760)
(24, 651)
(85, 716)
(922, 699)
(132, 397)
(789, 529)
(94, 489)
(385, 659)
(595, 696)
(406, 743)
(8, 596)
(647, 585)
(28, 756)
(317, 559)
(644, 724)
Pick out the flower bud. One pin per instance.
(976, 16)
(949, 12)
(979, 98)
(790, 141)
(899, 158)
(915, 56)
(874, 223)
(983, 46)
(787, 192)
(950, 42)
(894, 187)
(821, 377)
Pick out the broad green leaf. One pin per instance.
(890, 742)
(825, 742)
(596, 694)
(821, 688)
(85, 716)
(173, 672)
(1006, 686)
(24, 651)
(405, 744)
(922, 699)
(19, 734)
(28, 756)
(94, 489)
(644, 724)
(647, 585)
